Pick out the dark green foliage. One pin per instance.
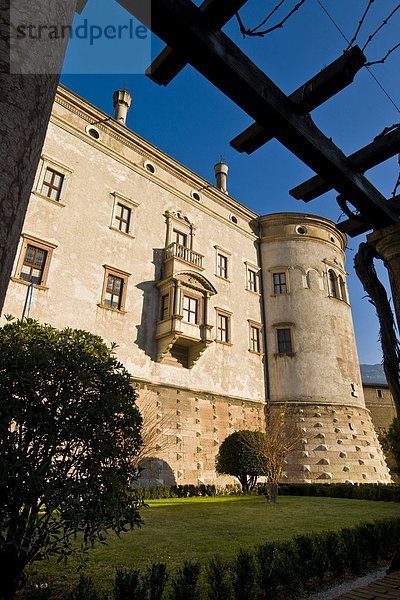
(362, 491)
(236, 457)
(351, 540)
(128, 585)
(69, 428)
(158, 492)
(335, 551)
(219, 585)
(243, 575)
(313, 559)
(85, 590)
(38, 590)
(175, 491)
(156, 579)
(393, 439)
(184, 584)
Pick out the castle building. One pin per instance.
(217, 312)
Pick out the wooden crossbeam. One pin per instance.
(369, 156)
(327, 83)
(353, 227)
(185, 28)
(169, 62)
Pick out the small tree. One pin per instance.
(69, 431)
(236, 457)
(271, 447)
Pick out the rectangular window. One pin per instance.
(379, 393)
(122, 217)
(284, 339)
(33, 261)
(279, 283)
(255, 341)
(33, 264)
(164, 307)
(190, 309)
(223, 328)
(179, 238)
(251, 280)
(114, 289)
(222, 266)
(52, 184)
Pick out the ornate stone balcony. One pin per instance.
(178, 257)
(184, 330)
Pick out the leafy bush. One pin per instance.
(69, 428)
(244, 575)
(85, 590)
(219, 584)
(184, 584)
(128, 585)
(156, 579)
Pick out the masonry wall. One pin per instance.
(319, 380)
(382, 407)
(190, 429)
(79, 228)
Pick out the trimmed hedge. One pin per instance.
(186, 491)
(272, 571)
(361, 491)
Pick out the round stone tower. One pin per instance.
(312, 357)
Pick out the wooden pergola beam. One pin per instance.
(169, 62)
(327, 83)
(381, 149)
(353, 227)
(184, 27)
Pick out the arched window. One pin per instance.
(332, 284)
(342, 287)
(308, 280)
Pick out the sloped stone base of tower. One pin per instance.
(338, 445)
(188, 428)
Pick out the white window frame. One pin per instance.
(48, 163)
(227, 255)
(275, 271)
(29, 240)
(258, 327)
(255, 269)
(221, 312)
(189, 310)
(127, 203)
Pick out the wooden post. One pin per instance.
(28, 83)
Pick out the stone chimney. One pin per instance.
(122, 103)
(221, 172)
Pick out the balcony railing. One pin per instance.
(175, 250)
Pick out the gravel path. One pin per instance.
(347, 586)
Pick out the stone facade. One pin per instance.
(380, 403)
(217, 312)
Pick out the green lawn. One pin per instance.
(198, 528)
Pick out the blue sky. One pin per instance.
(194, 122)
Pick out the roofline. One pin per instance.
(203, 186)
